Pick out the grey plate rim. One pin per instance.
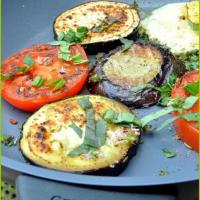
(107, 181)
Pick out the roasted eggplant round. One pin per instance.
(53, 137)
(106, 21)
(130, 76)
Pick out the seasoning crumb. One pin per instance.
(163, 173)
(13, 121)
(9, 140)
(177, 137)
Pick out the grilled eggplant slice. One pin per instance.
(107, 22)
(48, 138)
(130, 76)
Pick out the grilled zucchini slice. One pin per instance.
(130, 76)
(107, 22)
(47, 138)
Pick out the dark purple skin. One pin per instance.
(141, 97)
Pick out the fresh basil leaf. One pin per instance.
(77, 129)
(124, 117)
(166, 123)
(38, 81)
(189, 102)
(78, 59)
(190, 116)
(90, 119)
(59, 84)
(61, 36)
(152, 116)
(90, 137)
(85, 102)
(101, 128)
(110, 115)
(168, 153)
(28, 60)
(127, 44)
(83, 148)
(64, 48)
(192, 88)
(55, 43)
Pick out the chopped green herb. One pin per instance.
(168, 153)
(64, 48)
(78, 59)
(85, 102)
(131, 138)
(190, 116)
(165, 90)
(61, 36)
(121, 118)
(53, 82)
(163, 173)
(38, 81)
(127, 44)
(28, 60)
(106, 23)
(101, 127)
(166, 123)
(192, 88)
(59, 84)
(155, 115)
(76, 129)
(65, 56)
(189, 102)
(9, 140)
(94, 78)
(110, 115)
(56, 43)
(83, 148)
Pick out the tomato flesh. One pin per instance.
(22, 94)
(187, 131)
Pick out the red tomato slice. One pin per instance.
(22, 94)
(187, 131)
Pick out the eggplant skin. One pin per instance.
(42, 129)
(107, 39)
(143, 97)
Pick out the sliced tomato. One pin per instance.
(187, 131)
(20, 92)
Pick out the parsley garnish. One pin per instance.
(165, 90)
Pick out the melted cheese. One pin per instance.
(134, 67)
(169, 26)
